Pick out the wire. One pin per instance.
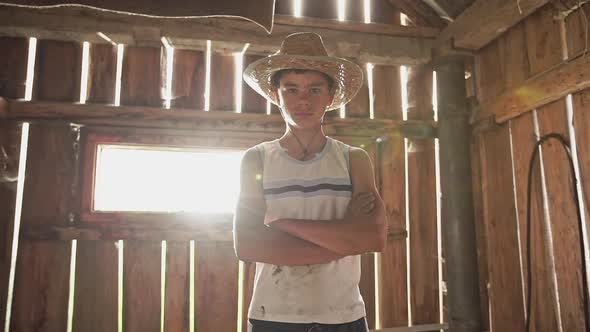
(566, 148)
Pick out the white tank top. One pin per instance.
(316, 189)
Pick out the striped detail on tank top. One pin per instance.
(340, 187)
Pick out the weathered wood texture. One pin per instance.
(485, 20)
(141, 78)
(222, 82)
(358, 107)
(13, 66)
(141, 285)
(419, 13)
(381, 10)
(216, 287)
(500, 220)
(177, 288)
(57, 61)
(543, 316)
(422, 199)
(96, 290)
(81, 24)
(562, 217)
(42, 270)
(188, 84)
(102, 67)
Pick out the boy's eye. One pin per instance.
(315, 90)
(291, 90)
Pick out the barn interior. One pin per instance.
(122, 126)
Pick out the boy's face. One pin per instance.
(304, 98)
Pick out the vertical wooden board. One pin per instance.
(216, 287)
(188, 79)
(424, 284)
(576, 31)
(141, 78)
(480, 234)
(40, 300)
(326, 9)
(176, 310)
(284, 7)
(141, 285)
(49, 175)
(419, 87)
(393, 294)
(500, 218)
(10, 134)
(102, 68)
(488, 75)
(543, 39)
(358, 107)
(96, 289)
(581, 104)
(355, 10)
(58, 67)
(13, 66)
(563, 217)
(248, 288)
(222, 83)
(387, 92)
(252, 102)
(382, 11)
(543, 316)
(513, 56)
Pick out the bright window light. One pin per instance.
(162, 179)
(84, 71)
(367, 10)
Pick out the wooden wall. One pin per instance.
(501, 160)
(116, 275)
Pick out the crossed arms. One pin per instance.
(299, 241)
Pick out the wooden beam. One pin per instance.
(551, 85)
(215, 122)
(373, 28)
(199, 230)
(485, 20)
(419, 13)
(228, 35)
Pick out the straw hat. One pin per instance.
(305, 50)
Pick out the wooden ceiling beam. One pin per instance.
(419, 13)
(229, 35)
(484, 21)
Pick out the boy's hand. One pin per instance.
(361, 204)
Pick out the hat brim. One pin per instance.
(347, 76)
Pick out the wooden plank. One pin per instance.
(81, 24)
(176, 311)
(141, 82)
(419, 13)
(102, 67)
(543, 39)
(513, 56)
(327, 9)
(576, 31)
(563, 217)
(358, 107)
(42, 271)
(57, 61)
(379, 27)
(13, 66)
(96, 290)
(216, 287)
(355, 11)
(393, 293)
(424, 285)
(485, 20)
(387, 92)
(216, 123)
(222, 82)
(367, 282)
(141, 285)
(488, 77)
(523, 140)
(252, 102)
(500, 220)
(480, 233)
(188, 79)
(555, 83)
(383, 12)
(10, 134)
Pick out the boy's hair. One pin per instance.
(276, 77)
